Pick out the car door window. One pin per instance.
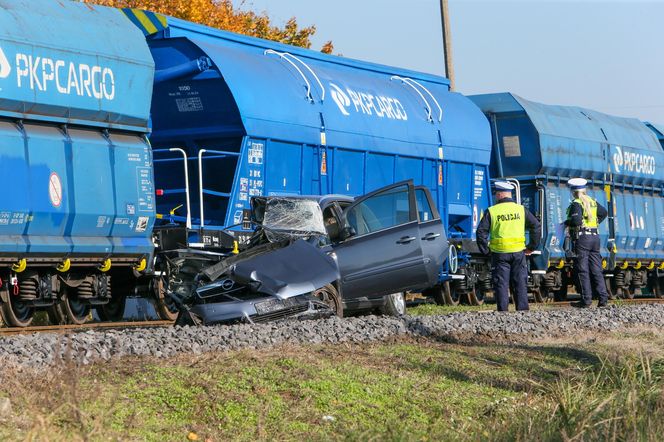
(425, 211)
(381, 211)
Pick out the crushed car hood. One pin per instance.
(296, 269)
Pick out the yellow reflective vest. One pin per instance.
(589, 216)
(508, 228)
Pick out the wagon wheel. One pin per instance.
(560, 295)
(609, 289)
(442, 294)
(476, 296)
(624, 292)
(435, 292)
(543, 295)
(17, 313)
(628, 292)
(163, 304)
(56, 315)
(330, 296)
(658, 288)
(114, 309)
(72, 307)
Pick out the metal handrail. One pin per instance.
(517, 185)
(440, 109)
(406, 82)
(542, 195)
(200, 176)
(282, 55)
(186, 182)
(322, 89)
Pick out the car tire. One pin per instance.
(330, 296)
(395, 305)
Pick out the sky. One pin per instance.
(603, 54)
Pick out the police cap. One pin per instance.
(503, 186)
(577, 183)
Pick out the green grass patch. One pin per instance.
(401, 390)
(435, 309)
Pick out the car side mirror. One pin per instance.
(347, 232)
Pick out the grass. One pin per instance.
(434, 309)
(406, 389)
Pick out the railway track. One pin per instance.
(611, 302)
(8, 331)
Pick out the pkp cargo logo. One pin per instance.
(366, 103)
(618, 159)
(340, 98)
(45, 74)
(626, 161)
(5, 67)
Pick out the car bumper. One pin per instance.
(257, 310)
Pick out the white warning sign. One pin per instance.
(55, 190)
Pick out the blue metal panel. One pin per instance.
(73, 62)
(380, 170)
(659, 131)
(283, 168)
(93, 198)
(133, 190)
(14, 173)
(571, 141)
(50, 190)
(348, 172)
(639, 226)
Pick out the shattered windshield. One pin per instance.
(292, 217)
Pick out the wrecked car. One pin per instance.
(316, 255)
(281, 273)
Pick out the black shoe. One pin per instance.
(603, 304)
(580, 304)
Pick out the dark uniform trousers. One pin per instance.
(510, 269)
(588, 267)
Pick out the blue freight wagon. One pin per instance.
(235, 116)
(76, 169)
(540, 146)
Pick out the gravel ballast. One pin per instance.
(41, 349)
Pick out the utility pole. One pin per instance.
(447, 41)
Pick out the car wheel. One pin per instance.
(330, 296)
(395, 305)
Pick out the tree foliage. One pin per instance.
(222, 14)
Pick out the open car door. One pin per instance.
(432, 234)
(382, 253)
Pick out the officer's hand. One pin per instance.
(528, 252)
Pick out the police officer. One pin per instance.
(505, 223)
(584, 215)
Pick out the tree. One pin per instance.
(222, 14)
